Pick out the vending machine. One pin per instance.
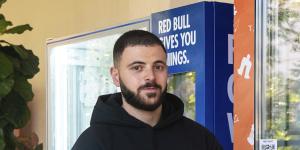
(199, 43)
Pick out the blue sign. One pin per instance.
(198, 38)
(180, 31)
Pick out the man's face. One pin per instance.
(142, 76)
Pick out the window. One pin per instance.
(278, 72)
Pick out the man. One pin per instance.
(143, 116)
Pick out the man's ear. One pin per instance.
(114, 72)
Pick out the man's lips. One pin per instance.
(150, 89)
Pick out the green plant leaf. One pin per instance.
(3, 23)
(23, 59)
(39, 147)
(16, 110)
(10, 142)
(15, 51)
(8, 50)
(29, 67)
(15, 61)
(2, 2)
(3, 121)
(18, 29)
(6, 67)
(5, 42)
(12, 49)
(20, 146)
(23, 88)
(6, 86)
(2, 142)
(20, 49)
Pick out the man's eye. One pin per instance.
(137, 68)
(159, 67)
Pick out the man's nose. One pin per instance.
(149, 75)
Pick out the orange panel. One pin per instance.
(244, 74)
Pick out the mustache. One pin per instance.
(150, 84)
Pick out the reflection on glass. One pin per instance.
(80, 73)
(183, 86)
(281, 107)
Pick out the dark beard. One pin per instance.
(137, 101)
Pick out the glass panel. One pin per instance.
(183, 86)
(281, 102)
(78, 74)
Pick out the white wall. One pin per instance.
(60, 18)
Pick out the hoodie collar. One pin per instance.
(109, 110)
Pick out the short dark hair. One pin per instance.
(134, 38)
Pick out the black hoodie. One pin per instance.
(112, 128)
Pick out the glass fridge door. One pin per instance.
(78, 72)
(183, 86)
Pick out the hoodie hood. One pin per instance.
(108, 110)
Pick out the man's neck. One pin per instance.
(149, 117)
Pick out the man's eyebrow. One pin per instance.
(136, 62)
(160, 62)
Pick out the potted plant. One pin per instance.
(17, 65)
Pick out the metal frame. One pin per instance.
(260, 69)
